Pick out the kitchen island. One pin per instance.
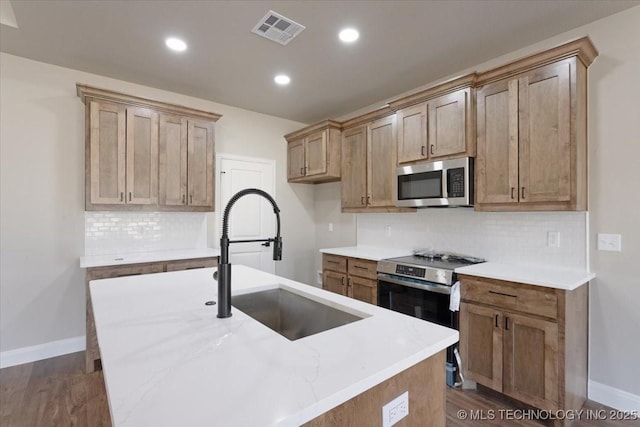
(168, 360)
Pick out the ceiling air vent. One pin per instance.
(277, 28)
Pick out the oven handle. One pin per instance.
(434, 287)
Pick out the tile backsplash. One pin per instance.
(131, 232)
(509, 237)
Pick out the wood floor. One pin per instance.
(56, 392)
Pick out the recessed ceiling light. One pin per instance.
(176, 44)
(349, 35)
(282, 79)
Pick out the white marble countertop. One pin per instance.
(168, 360)
(540, 276)
(372, 253)
(140, 257)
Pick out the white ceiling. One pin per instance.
(403, 45)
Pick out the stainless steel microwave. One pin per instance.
(441, 183)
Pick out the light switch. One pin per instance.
(609, 242)
(387, 231)
(330, 226)
(553, 239)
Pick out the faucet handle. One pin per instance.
(215, 275)
(266, 244)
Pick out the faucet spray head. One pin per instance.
(277, 248)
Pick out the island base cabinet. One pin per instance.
(425, 384)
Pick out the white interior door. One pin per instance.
(251, 217)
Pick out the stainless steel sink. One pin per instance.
(291, 315)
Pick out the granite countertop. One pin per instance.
(140, 257)
(372, 253)
(168, 360)
(531, 275)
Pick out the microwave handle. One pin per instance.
(445, 183)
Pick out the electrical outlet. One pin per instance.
(330, 226)
(609, 242)
(395, 410)
(553, 239)
(319, 278)
(387, 231)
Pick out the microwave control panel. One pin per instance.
(455, 182)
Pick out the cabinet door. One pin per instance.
(200, 163)
(448, 124)
(173, 161)
(412, 133)
(295, 159)
(531, 360)
(381, 164)
(354, 167)
(315, 147)
(363, 289)
(107, 153)
(545, 134)
(334, 282)
(142, 156)
(497, 143)
(481, 344)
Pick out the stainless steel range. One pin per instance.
(420, 286)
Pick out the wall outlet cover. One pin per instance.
(395, 410)
(609, 242)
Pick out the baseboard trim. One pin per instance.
(613, 397)
(41, 351)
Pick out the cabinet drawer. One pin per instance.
(518, 297)
(96, 273)
(334, 262)
(190, 264)
(363, 268)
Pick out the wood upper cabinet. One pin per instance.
(313, 153)
(142, 156)
(412, 133)
(531, 132)
(146, 155)
(441, 126)
(354, 168)
(528, 342)
(369, 167)
(105, 158)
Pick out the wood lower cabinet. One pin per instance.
(92, 352)
(146, 155)
(527, 342)
(313, 153)
(531, 132)
(352, 277)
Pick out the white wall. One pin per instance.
(614, 203)
(42, 195)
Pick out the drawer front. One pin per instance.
(363, 268)
(191, 264)
(334, 262)
(96, 273)
(513, 296)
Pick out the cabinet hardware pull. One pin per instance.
(129, 195)
(506, 323)
(504, 295)
(184, 199)
(362, 200)
(522, 193)
(512, 196)
(431, 148)
(122, 196)
(360, 267)
(496, 320)
(368, 200)
(342, 280)
(422, 150)
(191, 199)
(301, 171)
(195, 268)
(333, 262)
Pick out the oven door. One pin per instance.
(416, 298)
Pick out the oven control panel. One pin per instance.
(408, 270)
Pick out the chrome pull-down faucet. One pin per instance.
(224, 268)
